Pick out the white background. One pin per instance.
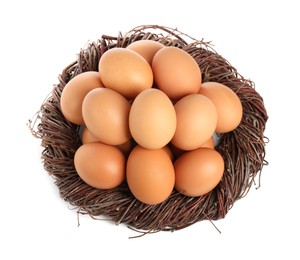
(39, 38)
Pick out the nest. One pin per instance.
(243, 149)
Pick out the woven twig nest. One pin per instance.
(243, 149)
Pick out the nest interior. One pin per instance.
(243, 149)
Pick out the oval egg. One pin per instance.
(146, 48)
(176, 72)
(99, 165)
(150, 174)
(105, 113)
(198, 172)
(125, 71)
(152, 119)
(227, 103)
(196, 121)
(74, 92)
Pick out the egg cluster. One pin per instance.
(147, 119)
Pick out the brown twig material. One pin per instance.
(243, 149)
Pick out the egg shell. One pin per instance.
(152, 119)
(176, 72)
(74, 92)
(99, 165)
(105, 113)
(227, 103)
(196, 121)
(198, 172)
(150, 174)
(146, 48)
(125, 71)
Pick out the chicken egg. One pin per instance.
(74, 92)
(227, 103)
(150, 174)
(99, 165)
(125, 71)
(198, 172)
(196, 121)
(105, 113)
(176, 72)
(152, 119)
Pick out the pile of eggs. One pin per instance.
(147, 119)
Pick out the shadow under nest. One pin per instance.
(243, 149)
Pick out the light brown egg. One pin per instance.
(105, 113)
(74, 92)
(198, 172)
(146, 48)
(227, 103)
(125, 71)
(176, 72)
(196, 121)
(152, 119)
(99, 165)
(150, 174)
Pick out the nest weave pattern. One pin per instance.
(243, 149)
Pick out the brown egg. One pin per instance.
(125, 71)
(74, 92)
(105, 113)
(196, 121)
(99, 165)
(152, 119)
(176, 72)
(227, 103)
(198, 172)
(146, 48)
(150, 175)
